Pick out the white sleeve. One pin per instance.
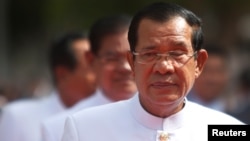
(70, 132)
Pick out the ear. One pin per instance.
(130, 59)
(202, 57)
(89, 57)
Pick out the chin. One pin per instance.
(166, 98)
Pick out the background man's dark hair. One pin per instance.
(214, 49)
(61, 52)
(105, 26)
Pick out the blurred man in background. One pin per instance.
(73, 79)
(240, 100)
(210, 88)
(109, 45)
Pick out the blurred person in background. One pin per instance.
(240, 100)
(3, 99)
(73, 80)
(109, 45)
(210, 88)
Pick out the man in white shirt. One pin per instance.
(166, 57)
(109, 44)
(73, 80)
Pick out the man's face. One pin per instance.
(82, 79)
(114, 73)
(165, 82)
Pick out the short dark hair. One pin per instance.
(105, 26)
(162, 12)
(244, 78)
(217, 49)
(61, 52)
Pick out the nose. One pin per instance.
(164, 65)
(124, 65)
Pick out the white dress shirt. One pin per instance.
(52, 128)
(128, 121)
(20, 120)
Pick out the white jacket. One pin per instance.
(20, 120)
(52, 128)
(128, 121)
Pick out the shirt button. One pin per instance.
(162, 136)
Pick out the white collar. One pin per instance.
(156, 123)
(54, 100)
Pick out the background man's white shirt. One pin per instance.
(52, 128)
(21, 120)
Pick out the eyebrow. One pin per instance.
(178, 43)
(151, 47)
(171, 44)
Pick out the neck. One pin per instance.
(163, 110)
(70, 100)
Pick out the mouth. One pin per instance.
(163, 85)
(123, 79)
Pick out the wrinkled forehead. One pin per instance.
(115, 43)
(175, 31)
(173, 26)
(81, 46)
